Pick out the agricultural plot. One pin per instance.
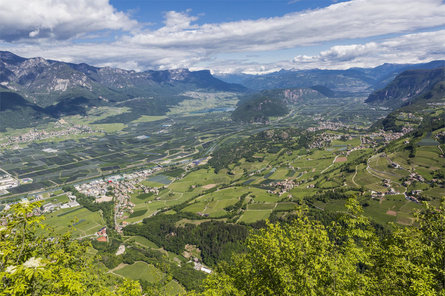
(161, 179)
(216, 208)
(153, 203)
(367, 180)
(279, 174)
(82, 220)
(141, 241)
(261, 206)
(173, 288)
(381, 166)
(392, 209)
(254, 216)
(332, 205)
(214, 203)
(428, 157)
(147, 118)
(314, 163)
(285, 206)
(428, 141)
(141, 271)
(199, 179)
(57, 199)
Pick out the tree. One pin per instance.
(345, 258)
(37, 262)
(299, 258)
(412, 260)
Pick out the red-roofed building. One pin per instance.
(103, 239)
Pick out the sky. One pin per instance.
(225, 36)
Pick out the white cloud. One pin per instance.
(175, 21)
(343, 53)
(410, 48)
(406, 49)
(58, 19)
(181, 42)
(346, 20)
(117, 54)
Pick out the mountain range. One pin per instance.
(34, 89)
(353, 81)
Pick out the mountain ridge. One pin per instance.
(55, 88)
(44, 81)
(406, 86)
(351, 81)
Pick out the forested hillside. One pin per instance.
(260, 106)
(406, 86)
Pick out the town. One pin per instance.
(36, 135)
(118, 188)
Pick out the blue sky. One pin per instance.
(226, 36)
(210, 11)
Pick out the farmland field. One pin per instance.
(141, 271)
(84, 222)
(254, 216)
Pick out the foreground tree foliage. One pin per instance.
(37, 262)
(345, 258)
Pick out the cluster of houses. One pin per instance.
(122, 204)
(101, 235)
(328, 125)
(380, 194)
(385, 136)
(413, 177)
(414, 196)
(121, 184)
(7, 182)
(47, 207)
(201, 267)
(324, 140)
(118, 188)
(389, 136)
(282, 187)
(35, 135)
(51, 207)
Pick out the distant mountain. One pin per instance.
(354, 81)
(418, 99)
(59, 88)
(260, 106)
(406, 86)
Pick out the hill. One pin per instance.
(260, 106)
(16, 112)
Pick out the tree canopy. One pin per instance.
(345, 258)
(37, 262)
